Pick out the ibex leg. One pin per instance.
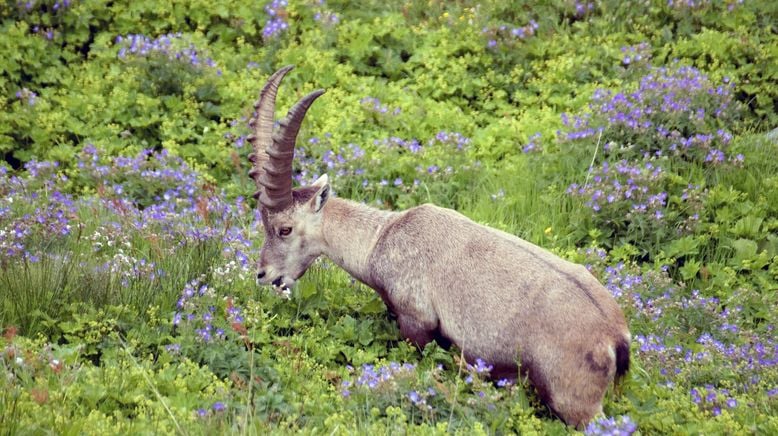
(420, 333)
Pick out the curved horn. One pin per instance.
(276, 179)
(261, 124)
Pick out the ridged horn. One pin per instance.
(261, 124)
(276, 177)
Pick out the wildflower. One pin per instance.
(415, 398)
(499, 195)
(136, 45)
(275, 25)
(26, 94)
(624, 426)
(481, 367)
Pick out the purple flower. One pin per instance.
(142, 46)
(26, 94)
(624, 426)
(481, 367)
(415, 398)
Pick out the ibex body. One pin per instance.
(446, 278)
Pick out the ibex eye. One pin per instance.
(284, 231)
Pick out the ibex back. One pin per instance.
(497, 297)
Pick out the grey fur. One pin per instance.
(494, 295)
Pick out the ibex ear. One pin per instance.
(322, 193)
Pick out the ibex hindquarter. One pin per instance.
(495, 296)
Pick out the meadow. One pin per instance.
(637, 138)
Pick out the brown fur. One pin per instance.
(497, 297)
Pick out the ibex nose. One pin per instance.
(260, 274)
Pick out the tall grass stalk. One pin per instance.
(153, 387)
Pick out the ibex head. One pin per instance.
(291, 217)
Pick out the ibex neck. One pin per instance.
(350, 232)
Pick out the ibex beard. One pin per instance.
(445, 277)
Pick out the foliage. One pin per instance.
(632, 137)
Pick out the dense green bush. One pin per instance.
(633, 137)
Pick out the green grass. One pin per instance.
(143, 316)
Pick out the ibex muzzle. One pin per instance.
(495, 296)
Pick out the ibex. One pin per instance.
(446, 278)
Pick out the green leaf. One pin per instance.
(374, 306)
(748, 227)
(744, 250)
(690, 269)
(686, 246)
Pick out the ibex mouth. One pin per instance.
(281, 288)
